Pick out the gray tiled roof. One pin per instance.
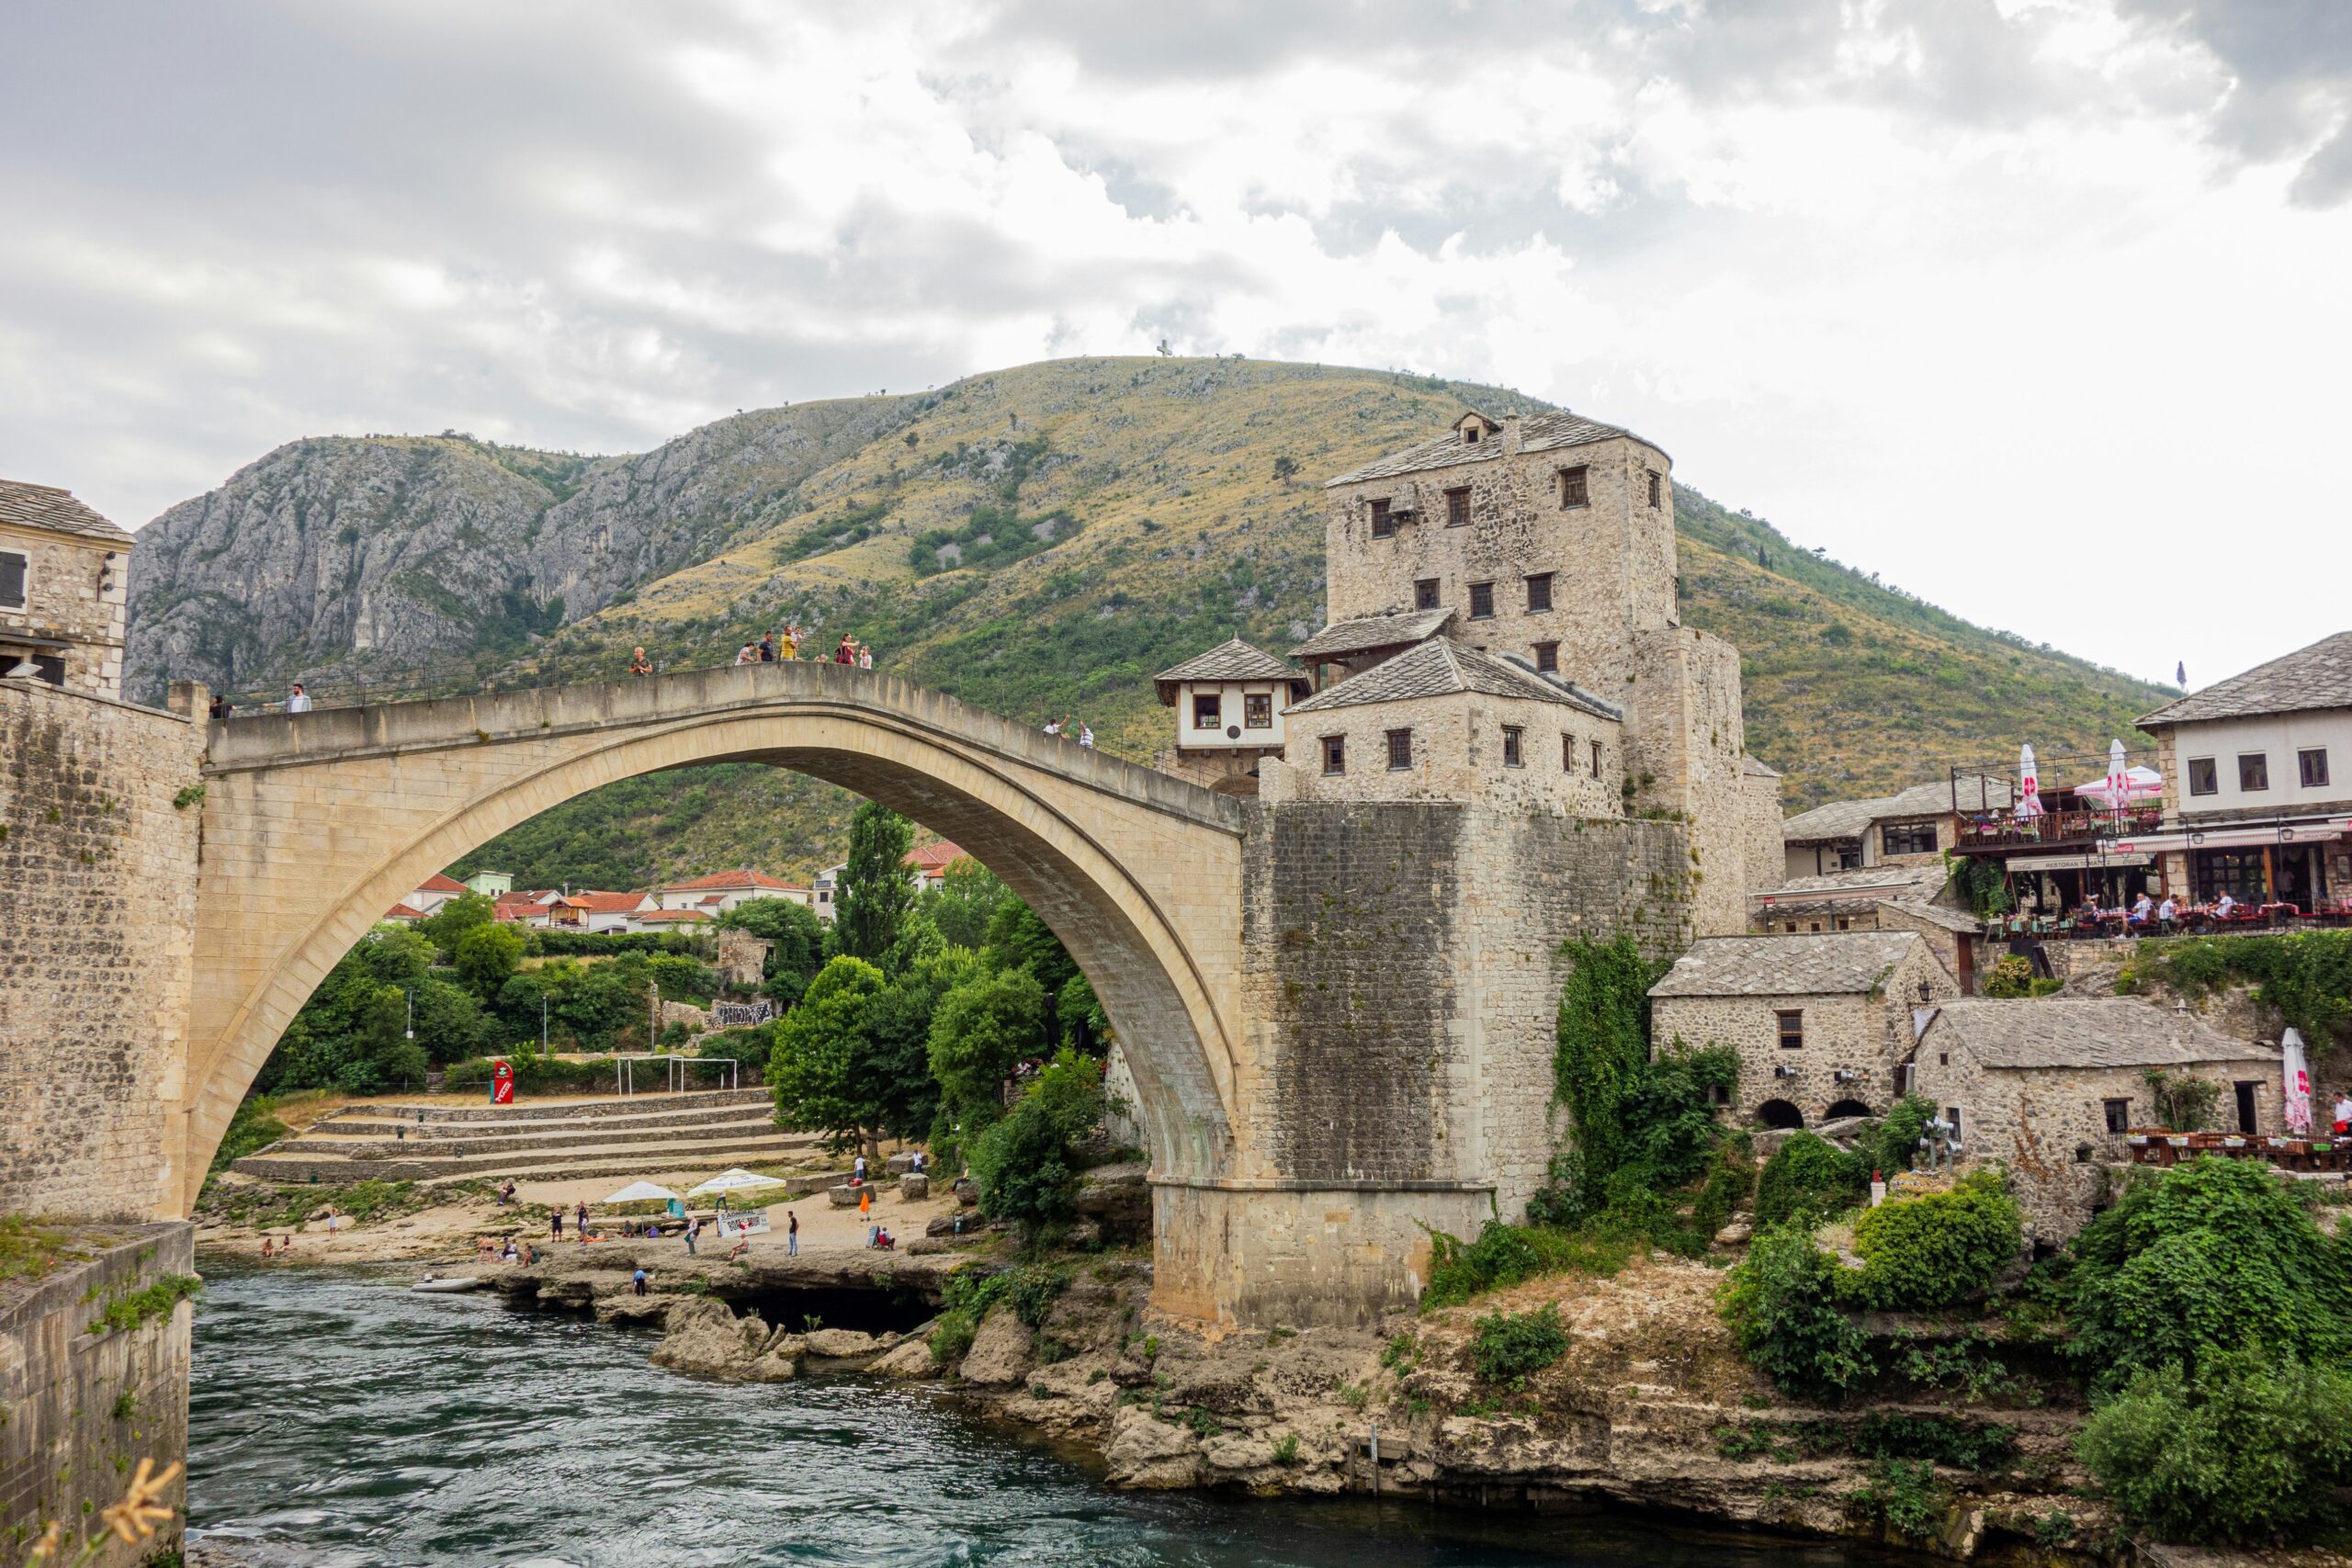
(2319, 676)
(46, 506)
(1233, 661)
(1441, 665)
(1537, 433)
(2086, 1032)
(1847, 818)
(1758, 770)
(1342, 637)
(1826, 964)
(1941, 915)
(1907, 883)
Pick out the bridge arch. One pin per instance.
(315, 824)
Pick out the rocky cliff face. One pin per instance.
(340, 559)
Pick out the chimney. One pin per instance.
(1510, 435)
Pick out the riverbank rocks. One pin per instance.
(628, 1307)
(846, 1345)
(1001, 1352)
(700, 1334)
(910, 1358)
(1117, 1200)
(846, 1195)
(1151, 1455)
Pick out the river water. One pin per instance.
(338, 1419)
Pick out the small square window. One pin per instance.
(1335, 754)
(1482, 601)
(1573, 490)
(1400, 750)
(1547, 656)
(1792, 1029)
(2254, 770)
(1539, 592)
(2119, 1115)
(1208, 712)
(2203, 778)
(1514, 756)
(1384, 523)
(15, 566)
(1258, 710)
(1457, 506)
(2311, 767)
(1657, 487)
(1425, 593)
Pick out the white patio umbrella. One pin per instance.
(643, 1192)
(2139, 784)
(2297, 1101)
(733, 1180)
(2029, 786)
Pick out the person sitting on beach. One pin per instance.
(268, 1247)
(736, 1251)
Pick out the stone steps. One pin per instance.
(449, 1145)
(715, 1155)
(526, 1111)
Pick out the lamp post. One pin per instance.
(543, 1024)
(411, 994)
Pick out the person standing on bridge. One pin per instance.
(768, 647)
(297, 700)
(1086, 735)
(847, 653)
(639, 664)
(865, 656)
(788, 646)
(747, 654)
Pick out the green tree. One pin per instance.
(876, 889)
(449, 1021)
(898, 1032)
(983, 1029)
(799, 938)
(1932, 1250)
(1026, 1165)
(487, 956)
(1017, 938)
(968, 894)
(1599, 1065)
(448, 925)
(821, 1071)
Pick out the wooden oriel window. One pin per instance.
(2254, 772)
(2203, 777)
(1482, 601)
(1335, 754)
(1514, 755)
(1791, 1025)
(2311, 767)
(1539, 592)
(1258, 710)
(1457, 506)
(1425, 593)
(1208, 710)
(1547, 656)
(1575, 490)
(1400, 750)
(1384, 522)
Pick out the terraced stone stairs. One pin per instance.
(437, 1143)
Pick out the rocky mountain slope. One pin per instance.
(1037, 540)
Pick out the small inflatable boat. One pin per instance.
(447, 1284)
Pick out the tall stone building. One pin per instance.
(65, 576)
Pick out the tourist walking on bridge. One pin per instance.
(788, 647)
(297, 700)
(639, 664)
(847, 653)
(767, 648)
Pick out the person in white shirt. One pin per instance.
(1054, 727)
(2225, 905)
(297, 700)
(2168, 912)
(747, 654)
(1086, 734)
(2342, 1113)
(2143, 907)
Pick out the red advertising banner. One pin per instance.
(501, 1084)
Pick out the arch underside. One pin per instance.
(1054, 841)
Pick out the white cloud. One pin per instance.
(2030, 307)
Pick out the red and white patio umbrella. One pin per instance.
(2028, 787)
(2297, 1101)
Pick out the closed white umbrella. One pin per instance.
(733, 1182)
(643, 1192)
(2297, 1101)
(2029, 786)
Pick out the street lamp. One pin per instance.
(411, 1012)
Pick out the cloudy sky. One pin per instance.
(2040, 309)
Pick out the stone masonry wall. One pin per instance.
(97, 911)
(1458, 750)
(1854, 1032)
(64, 601)
(1686, 738)
(81, 1408)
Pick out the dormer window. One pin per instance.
(1470, 433)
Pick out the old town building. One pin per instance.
(1911, 826)
(65, 575)
(1822, 1023)
(2048, 1089)
(1231, 706)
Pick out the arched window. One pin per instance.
(1779, 1114)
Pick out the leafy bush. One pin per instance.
(1030, 1288)
(1808, 1180)
(2207, 1257)
(1932, 1250)
(2183, 1103)
(1024, 1165)
(2306, 976)
(1893, 1142)
(2243, 1450)
(1510, 1346)
(1781, 1304)
(2012, 978)
(535, 1074)
(1904, 1494)
(1504, 1255)
(254, 1126)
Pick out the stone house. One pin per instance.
(1231, 706)
(2047, 1087)
(1911, 827)
(64, 580)
(1912, 898)
(2258, 773)
(1821, 1022)
(1442, 721)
